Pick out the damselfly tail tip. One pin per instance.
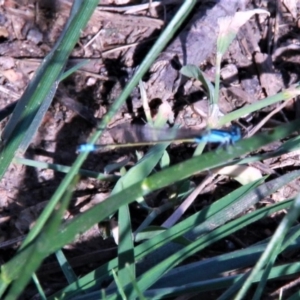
(86, 148)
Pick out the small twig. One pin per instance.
(92, 39)
(265, 119)
(187, 202)
(12, 241)
(129, 9)
(286, 287)
(126, 46)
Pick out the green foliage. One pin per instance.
(163, 248)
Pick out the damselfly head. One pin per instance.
(236, 134)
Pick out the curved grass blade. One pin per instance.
(126, 246)
(64, 169)
(148, 278)
(42, 84)
(217, 215)
(277, 272)
(39, 247)
(176, 232)
(193, 71)
(273, 247)
(283, 96)
(216, 266)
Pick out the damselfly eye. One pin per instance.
(236, 133)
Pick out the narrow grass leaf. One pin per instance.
(73, 69)
(150, 277)
(39, 249)
(64, 169)
(152, 244)
(283, 96)
(272, 248)
(219, 283)
(119, 285)
(37, 120)
(193, 71)
(40, 87)
(216, 266)
(135, 285)
(65, 267)
(125, 247)
(39, 287)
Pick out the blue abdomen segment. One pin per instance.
(86, 148)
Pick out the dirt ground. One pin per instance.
(262, 60)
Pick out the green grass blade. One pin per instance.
(283, 96)
(38, 248)
(73, 69)
(217, 265)
(193, 71)
(287, 147)
(178, 230)
(40, 87)
(65, 267)
(37, 120)
(39, 287)
(64, 169)
(219, 283)
(148, 278)
(126, 246)
(273, 246)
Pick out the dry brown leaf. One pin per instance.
(3, 32)
(11, 75)
(242, 174)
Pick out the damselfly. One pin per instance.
(136, 135)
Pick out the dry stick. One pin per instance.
(10, 93)
(286, 287)
(92, 39)
(10, 242)
(131, 8)
(145, 103)
(187, 202)
(276, 26)
(127, 46)
(264, 120)
(258, 126)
